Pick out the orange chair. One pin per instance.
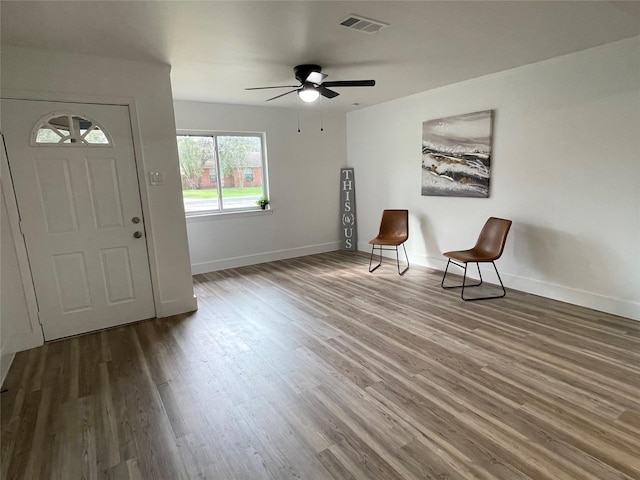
(394, 231)
(488, 248)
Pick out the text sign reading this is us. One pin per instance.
(348, 209)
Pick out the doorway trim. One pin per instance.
(12, 207)
(35, 337)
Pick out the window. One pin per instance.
(222, 172)
(68, 129)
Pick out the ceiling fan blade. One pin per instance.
(316, 77)
(325, 92)
(279, 86)
(278, 96)
(350, 83)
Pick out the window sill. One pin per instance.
(206, 217)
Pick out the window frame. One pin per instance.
(221, 212)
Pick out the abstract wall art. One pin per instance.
(456, 155)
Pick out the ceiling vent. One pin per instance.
(365, 25)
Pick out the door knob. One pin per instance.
(137, 234)
(135, 220)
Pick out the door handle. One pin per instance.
(137, 234)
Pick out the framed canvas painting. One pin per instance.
(456, 155)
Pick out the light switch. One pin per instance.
(156, 178)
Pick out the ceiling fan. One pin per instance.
(312, 84)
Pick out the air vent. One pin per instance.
(364, 25)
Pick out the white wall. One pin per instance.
(304, 174)
(46, 75)
(565, 168)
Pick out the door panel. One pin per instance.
(118, 280)
(105, 193)
(70, 270)
(56, 195)
(76, 204)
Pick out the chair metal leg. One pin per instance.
(373, 247)
(398, 260)
(445, 275)
(464, 280)
(380, 247)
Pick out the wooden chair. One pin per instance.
(488, 248)
(394, 231)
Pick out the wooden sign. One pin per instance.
(348, 209)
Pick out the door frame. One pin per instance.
(35, 337)
(12, 206)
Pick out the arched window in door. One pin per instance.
(69, 129)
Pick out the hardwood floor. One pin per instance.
(312, 368)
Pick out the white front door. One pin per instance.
(80, 213)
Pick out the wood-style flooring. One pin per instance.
(314, 369)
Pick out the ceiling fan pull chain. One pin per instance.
(298, 121)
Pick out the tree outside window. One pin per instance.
(194, 153)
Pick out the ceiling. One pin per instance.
(217, 48)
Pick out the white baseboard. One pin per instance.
(561, 293)
(176, 307)
(245, 260)
(17, 343)
(22, 341)
(614, 306)
(5, 364)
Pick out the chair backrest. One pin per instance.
(395, 223)
(493, 236)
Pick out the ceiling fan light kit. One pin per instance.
(312, 84)
(308, 94)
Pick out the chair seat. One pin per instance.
(488, 248)
(394, 231)
(394, 240)
(471, 255)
